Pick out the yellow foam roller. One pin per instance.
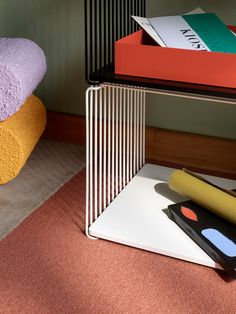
(18, 136)
(216, 199)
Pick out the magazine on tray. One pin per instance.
(195, 30)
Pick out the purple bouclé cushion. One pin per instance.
(22, 67)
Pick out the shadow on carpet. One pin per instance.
(49, 167)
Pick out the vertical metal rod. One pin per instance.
(91, 195)
(87, 70)
(113, 20)
(130, 20)
(134, 13)
(100, 31)
(131, 134)
(118, 21)
(100, 151)
(109, 147)
(125, 20)
(104, 148)
(128, 16)
(117, 121)
(121, 14)
(135, 131)
(105, 31)
(138, 8)
(91, 157)
(131, 13)
(109, 45)
(95, 28)
(138, 130)
(95, 154)
(124, 134)
(144, 119)
(128, 136)
(141, 131)
(144, 7)
(87, 163)
(120, 137)
(91, 37)
(113, 144)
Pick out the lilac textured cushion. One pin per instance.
(22, 67)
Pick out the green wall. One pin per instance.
(58, 27)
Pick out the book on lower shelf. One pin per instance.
(213, 234)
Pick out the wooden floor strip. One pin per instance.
(212, 155)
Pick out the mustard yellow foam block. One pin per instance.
(215, 199)
(18, 136)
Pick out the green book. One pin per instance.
(203, 31)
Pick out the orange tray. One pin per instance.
(138, 55)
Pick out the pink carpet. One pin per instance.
(48, 265)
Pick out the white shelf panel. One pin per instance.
(136, 217)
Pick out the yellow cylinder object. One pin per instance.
(209, 196)
(18, 136)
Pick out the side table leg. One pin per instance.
(115, 143)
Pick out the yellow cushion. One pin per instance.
(18, 136)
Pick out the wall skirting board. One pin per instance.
(65, 127)
(212, 155)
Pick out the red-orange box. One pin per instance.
(137, 55)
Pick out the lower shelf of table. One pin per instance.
(136, 217)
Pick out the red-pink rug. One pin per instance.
(48, 265)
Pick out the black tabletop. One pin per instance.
(107, 75)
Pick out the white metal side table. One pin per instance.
(125, 197)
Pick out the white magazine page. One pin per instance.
(145, 24)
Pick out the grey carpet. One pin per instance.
(50, 165)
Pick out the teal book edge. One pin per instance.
(212, 31)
